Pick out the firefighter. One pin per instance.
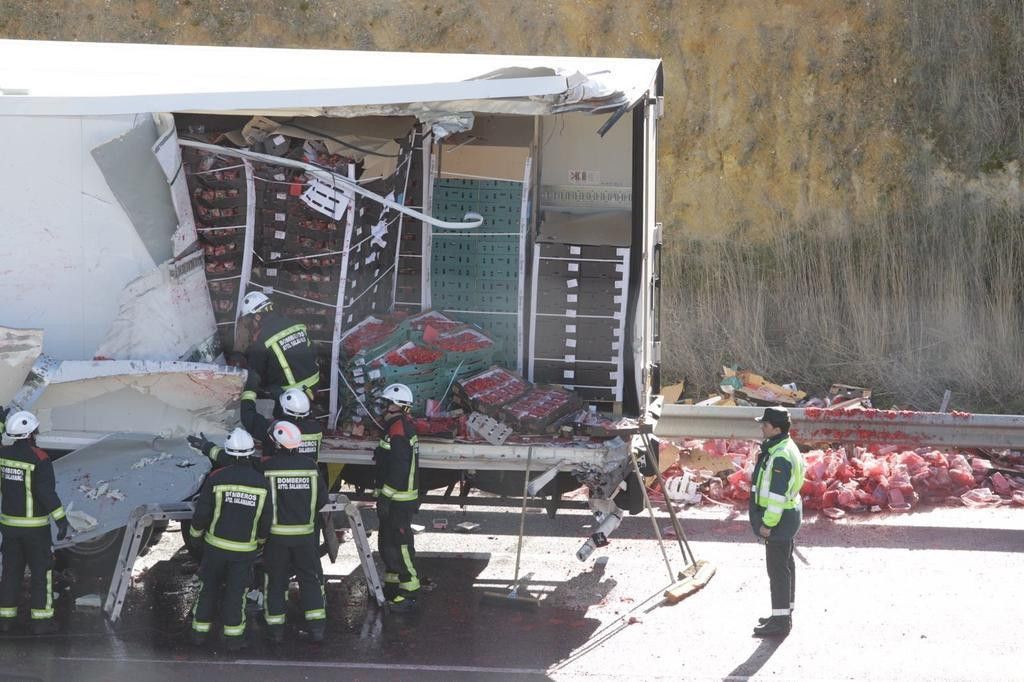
(776, 510)
(234, 515)
(298, 493)
(28, 500)
(397, 483)
(293, 403)
(281, 353)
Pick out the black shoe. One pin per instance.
(275, 633)
(316, 633)
(762, 621)
(236, 643)
(401, 604)
(44, 627)
(777, 626)
(197, 638)
(390, 591)
(6, 625)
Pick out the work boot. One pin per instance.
(44, 627)
(777, 626)
(390, 591)
(792, 608)
(236, 643)
(6, 625)
(402, 604)
(316, 632)
(197, 638)
(275, 633)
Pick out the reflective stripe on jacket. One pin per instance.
(778, 481)
(28, 495)
(397, 460)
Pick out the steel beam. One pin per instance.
(860, 426)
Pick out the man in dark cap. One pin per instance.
(775, 514)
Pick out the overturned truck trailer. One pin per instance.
(148, 188)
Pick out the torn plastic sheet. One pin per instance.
(89, 399)
(19, 348)
(165, 315)
(101, 484)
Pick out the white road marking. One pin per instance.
(313, 664)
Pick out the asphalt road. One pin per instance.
(929, 595)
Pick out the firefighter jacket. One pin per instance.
(233, 509)
(775, 491)
(282, 355)
(28, 496)
(297, 493)
(256, 423)
(397, 460)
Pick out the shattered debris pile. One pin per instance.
(872, 479)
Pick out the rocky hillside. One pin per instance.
(844, 166)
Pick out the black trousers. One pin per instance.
(397, 550)
(224, 575)
(284, 557)
(30, 546)
(781, 575)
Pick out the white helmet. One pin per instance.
(239, 444)
(399, 394)
(255, 302)
(21, 425)
(286, 434)
(294, 402)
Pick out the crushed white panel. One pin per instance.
(19, 348)
(76, 248)
(165, 398)
(165, 315)
(102, 485)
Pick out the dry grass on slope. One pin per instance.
(910, 305)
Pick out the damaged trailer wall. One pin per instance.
(88, 212)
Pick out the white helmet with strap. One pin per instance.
(239, 444)
(286, 434)
(21, 425)
(399, 394)
(255, 302)
(294, 402)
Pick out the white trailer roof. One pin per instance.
(70, 78)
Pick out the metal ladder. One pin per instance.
(144, 515)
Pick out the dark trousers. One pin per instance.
(284, 557)
(781, 575)
(225, 575)
(397, 550)
(30, 546)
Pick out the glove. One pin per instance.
(200, 443)
(383, 507)
(63, 528)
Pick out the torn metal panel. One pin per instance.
(168, 155)
(19, 348)
(165, 315)
(103, 78)
(101, 484)
(137, 180)
(86, 398)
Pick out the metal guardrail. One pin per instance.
(860, 426)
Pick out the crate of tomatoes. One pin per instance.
(488, 391)
(537, 411)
